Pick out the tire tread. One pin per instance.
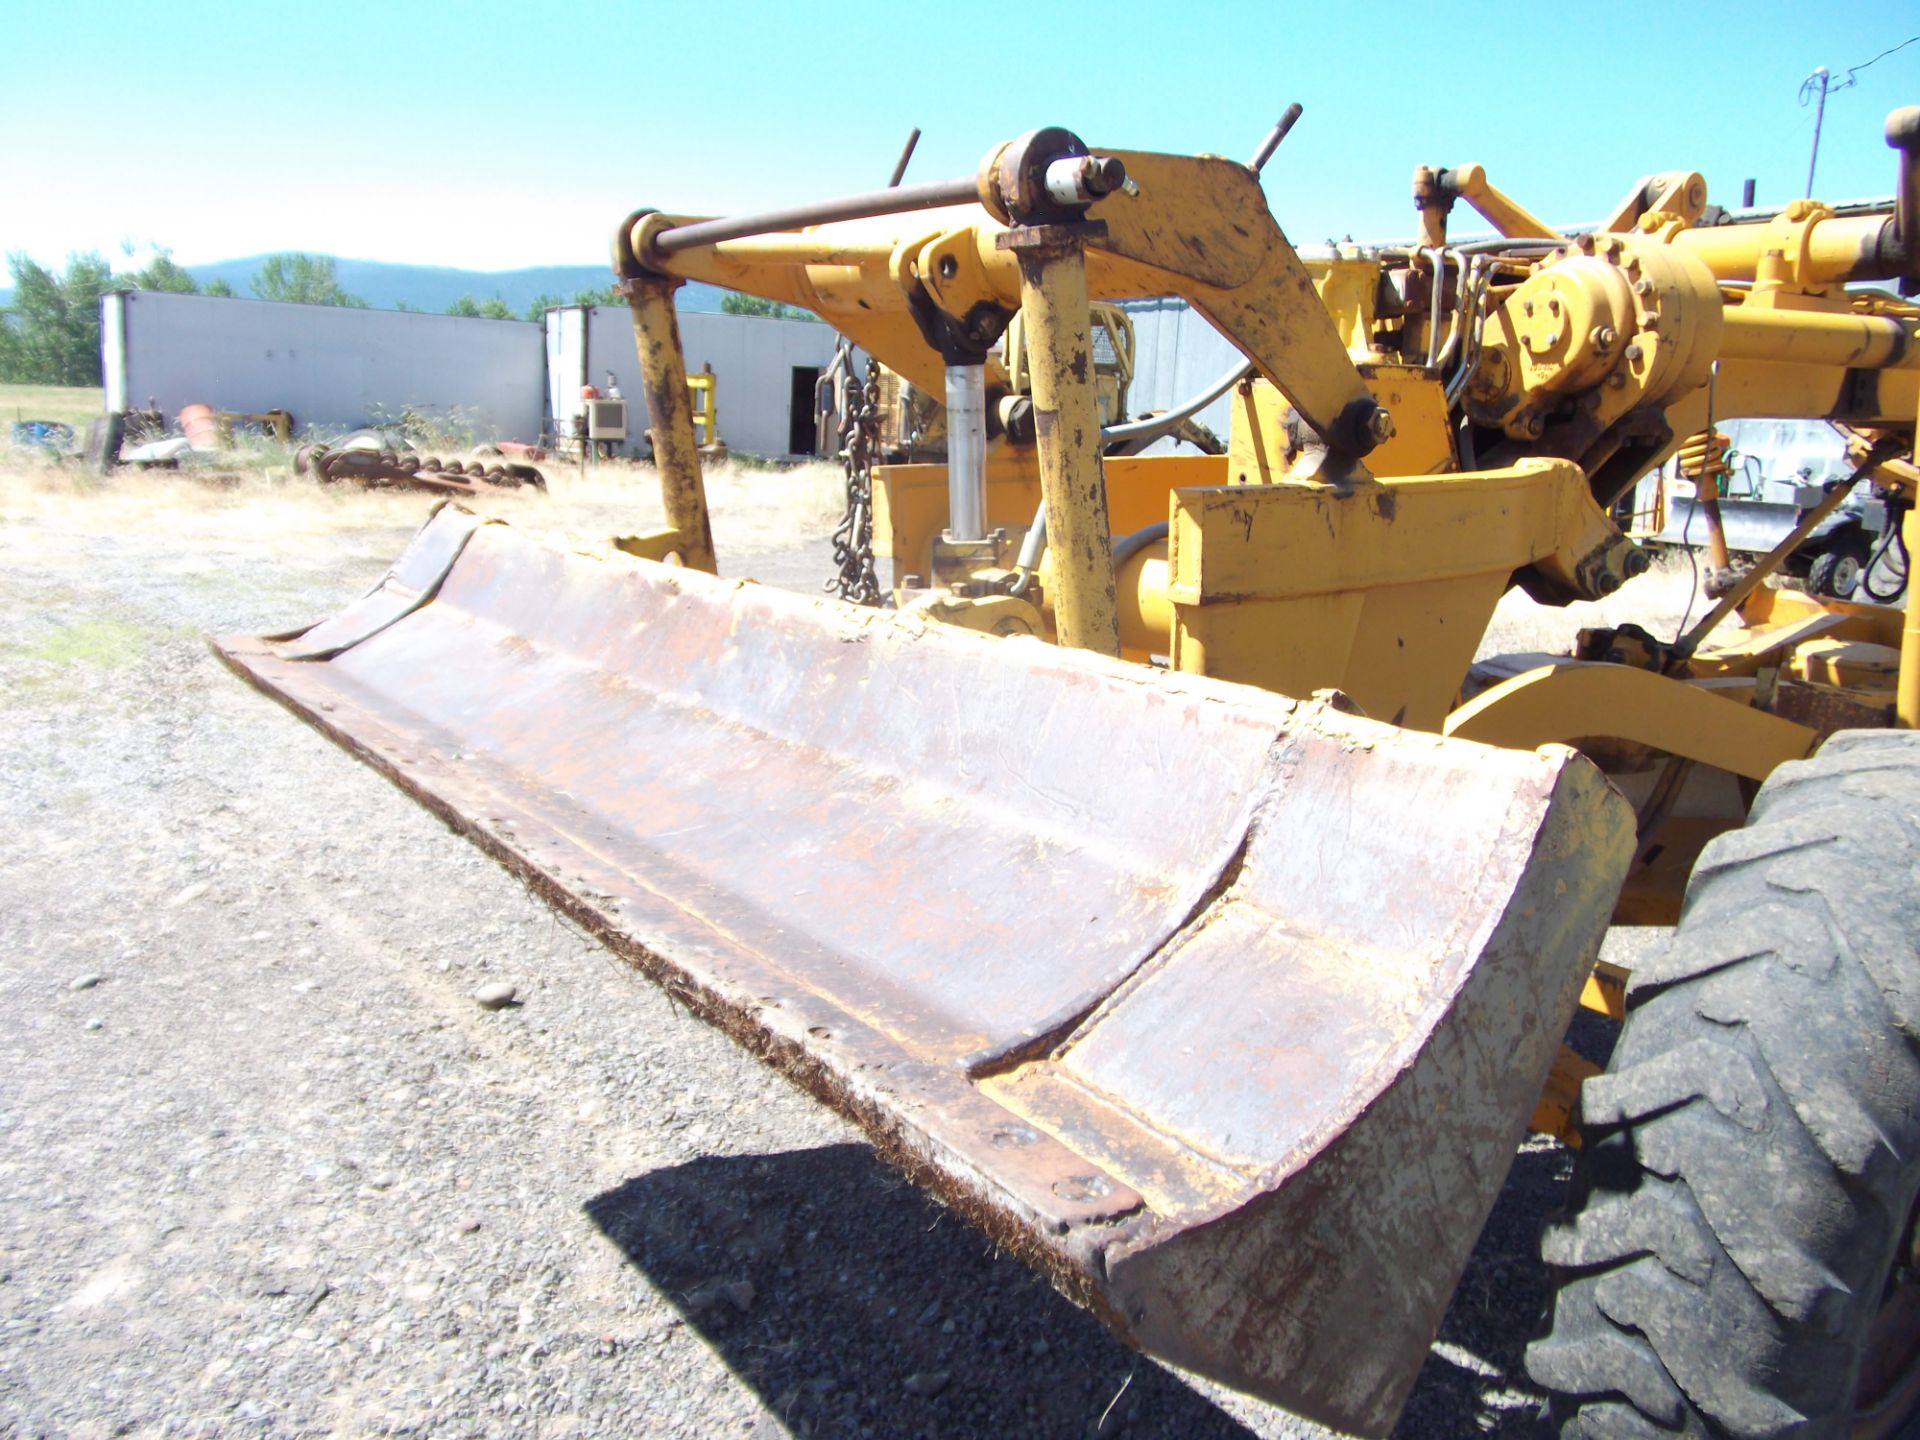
(1751, 1150)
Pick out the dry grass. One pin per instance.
(256, 497)
(71, 405)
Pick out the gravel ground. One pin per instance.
(269, 1169)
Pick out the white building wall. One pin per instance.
(1176, 355)
(753, 359)
(334, 368)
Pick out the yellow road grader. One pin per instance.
(1159, 879)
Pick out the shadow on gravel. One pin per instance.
(873, 1311)
(856, 1306)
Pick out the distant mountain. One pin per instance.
(435, 287)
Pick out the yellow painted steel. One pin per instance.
(1053, 295)
(676, 451)
(1146, 615)
(1260, 448)
(1907, 703)
(703, 390)
(910, 501)
(1622, 323)
(1500, 210)
(1673, 193)
(1381, 590)
(1708, 721)
(279, 422)
(1553, 1113)
(1605, 992)
(1349, 288)
(1816, 247)
(1800, 337)
(1198, 228)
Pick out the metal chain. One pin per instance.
(853, 577)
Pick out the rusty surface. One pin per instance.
(391, 470)
(676, 448)
(1828, 710)
(1224, 1011)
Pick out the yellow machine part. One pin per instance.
(1159, 972)
(1247, 588)
(1264, 445)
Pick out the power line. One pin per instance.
(1817, 86)
(1853, 71)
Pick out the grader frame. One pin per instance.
(1123, 981)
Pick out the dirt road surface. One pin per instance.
(266, 1167)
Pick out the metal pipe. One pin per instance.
(1802, 337)
(895, 200)
(676, 454)
(1053, 294)
(1706, 494)
(1903, 134)
(807, 249)
(1274, 137)
(1845, 247)
(966, 452)
(1706, 485)
(1907, 694)
(1476, 330)
(1155, 425)
(1436, 257)
(1882, 451)
(906, 154)
(1034, 547)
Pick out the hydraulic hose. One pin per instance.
(1156, 425)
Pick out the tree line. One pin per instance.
(50, 334)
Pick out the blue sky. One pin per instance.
(491, 135)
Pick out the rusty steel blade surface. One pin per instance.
(1223, 1010)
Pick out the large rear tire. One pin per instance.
(1738, 1255)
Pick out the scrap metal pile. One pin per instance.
(391, 469)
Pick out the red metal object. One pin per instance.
(1223, 1010)
(201, 427)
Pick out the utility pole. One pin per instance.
(1818, 77)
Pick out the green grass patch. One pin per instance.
(73, 405)
(98, 644)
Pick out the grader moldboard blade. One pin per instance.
(1223, 1010)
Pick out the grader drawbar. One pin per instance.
(1223, 1010)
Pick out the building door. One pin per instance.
(800, 421)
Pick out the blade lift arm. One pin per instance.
(928, 276)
